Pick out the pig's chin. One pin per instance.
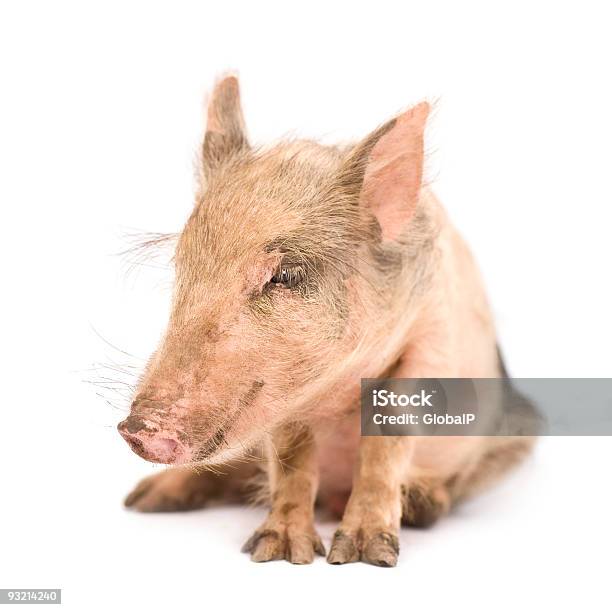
(216, 450)
(166, 451)
(224, 446)
(161, 451)
(221, 456)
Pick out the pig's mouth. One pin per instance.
(163, 447)
(160, 451)
(213, 444)
(155, 442)
(218, 440)
(151, 443)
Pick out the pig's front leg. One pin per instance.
(370, 527)
(288, 532)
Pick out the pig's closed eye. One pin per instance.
(288, 276)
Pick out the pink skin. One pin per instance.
(393, 178)
(153, 444)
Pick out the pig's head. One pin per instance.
(287, 260)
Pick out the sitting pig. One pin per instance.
(302, 269)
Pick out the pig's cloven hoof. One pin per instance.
(381, 549)
(422, 506)
(167, 491)
(270, 544)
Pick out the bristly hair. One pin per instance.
(115, 381)
(148, 249)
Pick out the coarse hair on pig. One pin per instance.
(302, 269)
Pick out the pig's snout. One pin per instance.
(147, 440)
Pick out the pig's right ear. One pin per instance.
(383, 173)
(225, 131)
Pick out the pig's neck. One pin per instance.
(422, 333)
(384, 319)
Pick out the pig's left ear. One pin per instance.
(225, 131)
(385, 170)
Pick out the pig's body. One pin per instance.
(302, 270)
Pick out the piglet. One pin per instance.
(302, 269)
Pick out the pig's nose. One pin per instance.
(151, 443)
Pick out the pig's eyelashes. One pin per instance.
(288, 276)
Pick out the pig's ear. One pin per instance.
(225, 131)
(385, 170)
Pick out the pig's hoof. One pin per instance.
(271, 544)
(343, 550)
(169, 491)
(380, 549)
(423, 505)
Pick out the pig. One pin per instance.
(302, 269)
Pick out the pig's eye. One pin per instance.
(288, 276)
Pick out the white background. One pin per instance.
(100, 117)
